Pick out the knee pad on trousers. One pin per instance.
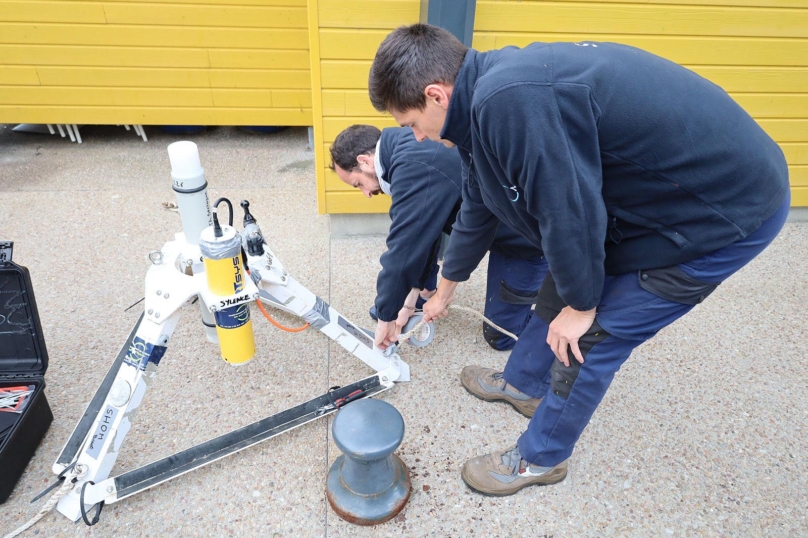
(510, 309)
(564, 376)
(548, 307)
(496, 339)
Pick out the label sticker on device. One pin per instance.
(101, 432)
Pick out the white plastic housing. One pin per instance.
(189, 184)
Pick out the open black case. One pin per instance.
(24, 411)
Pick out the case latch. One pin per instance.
(6, 250)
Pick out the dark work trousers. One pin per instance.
(511, 292)
(633, 308)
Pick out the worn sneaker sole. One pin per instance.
(551, 477)
(526, 410)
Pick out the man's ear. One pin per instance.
(364, 159)
(439, 93)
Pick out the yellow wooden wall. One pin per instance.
(755, 49)
(151, 62)
(344, 36)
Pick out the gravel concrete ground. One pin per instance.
(703, 432)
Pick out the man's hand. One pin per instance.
(566, 329)
(386, 334)
(437, 306)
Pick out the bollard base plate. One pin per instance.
(368, 509)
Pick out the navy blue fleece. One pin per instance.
(609, 158)
(425, 184)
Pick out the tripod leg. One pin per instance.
(119, 400)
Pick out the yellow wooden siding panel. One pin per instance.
(683, 50)
(727, 3)
(163, 97)
(278, 3)
(350, 44)
(191, 15)
(154, 36)
(355, 202)
(363, 14)
(135, 77)
(774, 105)
(333, 104)
(262, 98)
(795, 153)
(155, 115)
(786, 130)
(798, 176)
(155, 77)
(799, 197)
(242, 98)
(262, 59)
(332, 181)
(347, 103)
(51, 12)
(97, 56)
(65, 96)
(345, 75)
(334, 126)
(261, 78)
(291, 98)
(756, 79)
(666, 19)
(18, 75)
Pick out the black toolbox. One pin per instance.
(24, 411)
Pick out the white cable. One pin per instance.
(420, 324)
(76, 472)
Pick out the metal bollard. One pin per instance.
(368, 484)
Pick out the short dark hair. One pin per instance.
(354, 141)
(410, 59)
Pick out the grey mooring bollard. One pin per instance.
(368, 484)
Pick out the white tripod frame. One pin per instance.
(175, 278)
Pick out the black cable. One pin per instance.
(98, 507)
(229, 206)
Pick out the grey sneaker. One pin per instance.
(489, 385)
(505, 473)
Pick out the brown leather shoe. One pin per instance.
(505, 473)
(489, 385)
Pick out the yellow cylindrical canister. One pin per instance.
(226, 276)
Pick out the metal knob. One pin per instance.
(368, 484)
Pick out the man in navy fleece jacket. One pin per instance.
(424, 181)
(644, 184)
